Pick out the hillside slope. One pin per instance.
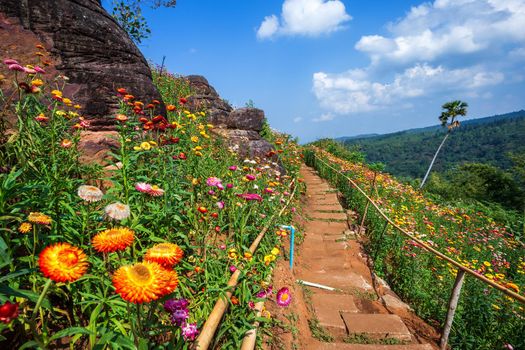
(408, 153)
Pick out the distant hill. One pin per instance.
(408, 153)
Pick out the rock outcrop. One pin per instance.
(240, 127)
(88, 47)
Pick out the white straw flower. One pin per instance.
(117, 211)
(90, 193)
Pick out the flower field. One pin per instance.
(134, 254)
(485, 318)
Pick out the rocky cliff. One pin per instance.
(87, 46)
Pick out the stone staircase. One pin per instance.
(353, 316)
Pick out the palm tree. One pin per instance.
(452, 110)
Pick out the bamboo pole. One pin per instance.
(452, 305)
(250, 338)
(221, 305)
(425, 246)
(367, 205)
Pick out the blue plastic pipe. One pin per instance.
(292, 241)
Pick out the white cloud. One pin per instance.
(354, 91)
(433, 30)
(324, 118)
(305, 17)
(297, 119)
(440, 48)
(268, 27)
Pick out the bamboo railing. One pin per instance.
(456, 290)
(205, 338)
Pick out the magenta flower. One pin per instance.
(189, 331)
(284, 298)
(39, 70)
(10, 61)
(220, 205)
(172, 305)
(251, 305)
(233, 167)
(222, 247)
(268, 190)
(211, 192)
(250, 196)
(178, 317)
(264, 293)
(213, 181)
(16, 67)
(233, 268)
(250, 177)
(229, 185)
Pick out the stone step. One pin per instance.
(327, 216)
(346, 346)
(376, 326)
(328, 307)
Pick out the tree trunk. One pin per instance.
(433, 160)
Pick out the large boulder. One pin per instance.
(87, 45)
(240, 127)
(205, 97)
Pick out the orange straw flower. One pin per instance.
(144, 282)
(113, 239)
(39, 218)
(63, 262)
(166, 254)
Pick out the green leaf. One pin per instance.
(70, 331)
(22, 293)
(15, 274)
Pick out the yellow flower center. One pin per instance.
(284, 297)
(140, 274)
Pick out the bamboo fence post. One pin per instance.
(367, 205)
(452, 305)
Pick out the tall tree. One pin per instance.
(451, 110)
(128, 13)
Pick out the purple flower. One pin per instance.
(220, 205)
(264, 293)
(189, 331)
(211, 192)
(250, 177)
(233, 167)
(213, 181)
(172, 305)
(178, 317)
(233, 268)
(250, 196)
(229, 185)
(284, 298)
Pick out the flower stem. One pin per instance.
(35, 312)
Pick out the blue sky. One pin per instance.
(335, 68)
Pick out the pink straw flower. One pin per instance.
(16, 67)
(250, 196)
(143, 187)
(155, 191)
(10, 61)
(284, 298)
(250, 177)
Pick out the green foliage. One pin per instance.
(350, 154)
(480, 182)
(130, 18)
(128, 13)
(408, 153)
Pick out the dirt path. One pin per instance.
(359, 314)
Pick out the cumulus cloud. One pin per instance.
(305, 17)
(433, 30)
(437, 48)
(354, 91)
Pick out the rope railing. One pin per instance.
(456, 289)
(221, 305)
